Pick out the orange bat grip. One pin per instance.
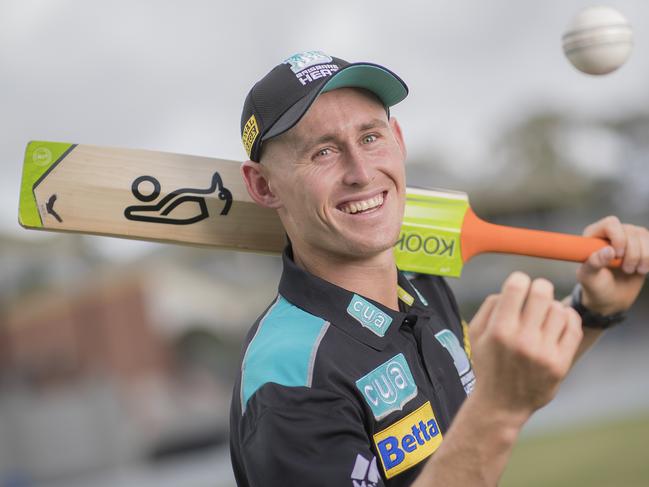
(479, 236)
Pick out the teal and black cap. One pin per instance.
(281, 98)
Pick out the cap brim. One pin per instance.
(379, 80)
(382, 82)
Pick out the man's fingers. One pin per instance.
(643, 268)
(598, 260)
(539, 300)
(481, 318)
(555, 323)
(571, 337)
(611, 229)
(636, 256)
(506, 314)
(633, 251)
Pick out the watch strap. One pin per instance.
(591, 319)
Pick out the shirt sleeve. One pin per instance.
(303, 436)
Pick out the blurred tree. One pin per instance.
(530, 168)
(199, 347)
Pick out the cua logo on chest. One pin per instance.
(369, 315)
(388, 387)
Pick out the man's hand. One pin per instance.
(523, 344)
(605, 290)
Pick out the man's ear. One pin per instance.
(258, 184)
(398, 135)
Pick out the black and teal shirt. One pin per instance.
(336, 389)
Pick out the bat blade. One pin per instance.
(143, 195)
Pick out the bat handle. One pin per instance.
(479, 236)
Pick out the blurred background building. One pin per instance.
(117, 357)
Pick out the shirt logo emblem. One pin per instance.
(388, 387)
(408, 441)
(369, 315)
(365, 473)
(462, 363)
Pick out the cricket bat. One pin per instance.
(176, 198)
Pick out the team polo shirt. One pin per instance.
(335, 389)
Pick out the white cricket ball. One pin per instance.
(598, 40)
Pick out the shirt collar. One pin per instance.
(354, 314)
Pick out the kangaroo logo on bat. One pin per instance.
(183, 206)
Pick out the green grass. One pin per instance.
(609, 454)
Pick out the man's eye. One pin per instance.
(323, 152)
(369, 138)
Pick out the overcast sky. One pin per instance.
(172, 75)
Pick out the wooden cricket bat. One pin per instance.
(178, 198)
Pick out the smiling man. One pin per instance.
(357, 375)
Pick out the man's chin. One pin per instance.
(366, 249)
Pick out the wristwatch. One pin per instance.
(591, 319)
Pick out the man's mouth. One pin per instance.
(360, 206)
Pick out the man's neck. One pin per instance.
(374, 277)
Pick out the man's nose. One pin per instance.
(358, 170)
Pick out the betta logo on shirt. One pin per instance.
(388, 387)
(408, 441)
(368, 315)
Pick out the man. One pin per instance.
(356, 375)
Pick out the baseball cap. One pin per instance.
(281, 98)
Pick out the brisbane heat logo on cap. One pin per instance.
(309, 66)
(303, 60)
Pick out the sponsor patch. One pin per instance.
(388, 387)
(369, 315)
(408, 441)
(462, 363)
(250, 133)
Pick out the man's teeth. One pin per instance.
(357, 206)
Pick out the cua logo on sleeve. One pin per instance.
(369, 315)
(407, 442)
(388, 387)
